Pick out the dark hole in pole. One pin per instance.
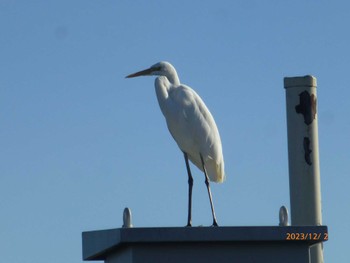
(307, 106)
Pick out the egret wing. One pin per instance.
(194, 129)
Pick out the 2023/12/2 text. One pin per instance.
(306, 236)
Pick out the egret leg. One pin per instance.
(190, 185)
(209, 192)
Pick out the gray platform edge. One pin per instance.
(97, 244)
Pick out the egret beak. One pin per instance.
(145, 72)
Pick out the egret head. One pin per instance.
(162, 68)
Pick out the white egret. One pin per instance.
(191, 125)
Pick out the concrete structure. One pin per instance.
(203, 244)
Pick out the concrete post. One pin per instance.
(304, 173)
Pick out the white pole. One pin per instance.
(304, 168)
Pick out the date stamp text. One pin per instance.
(306, 236)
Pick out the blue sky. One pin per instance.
(79, 142)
